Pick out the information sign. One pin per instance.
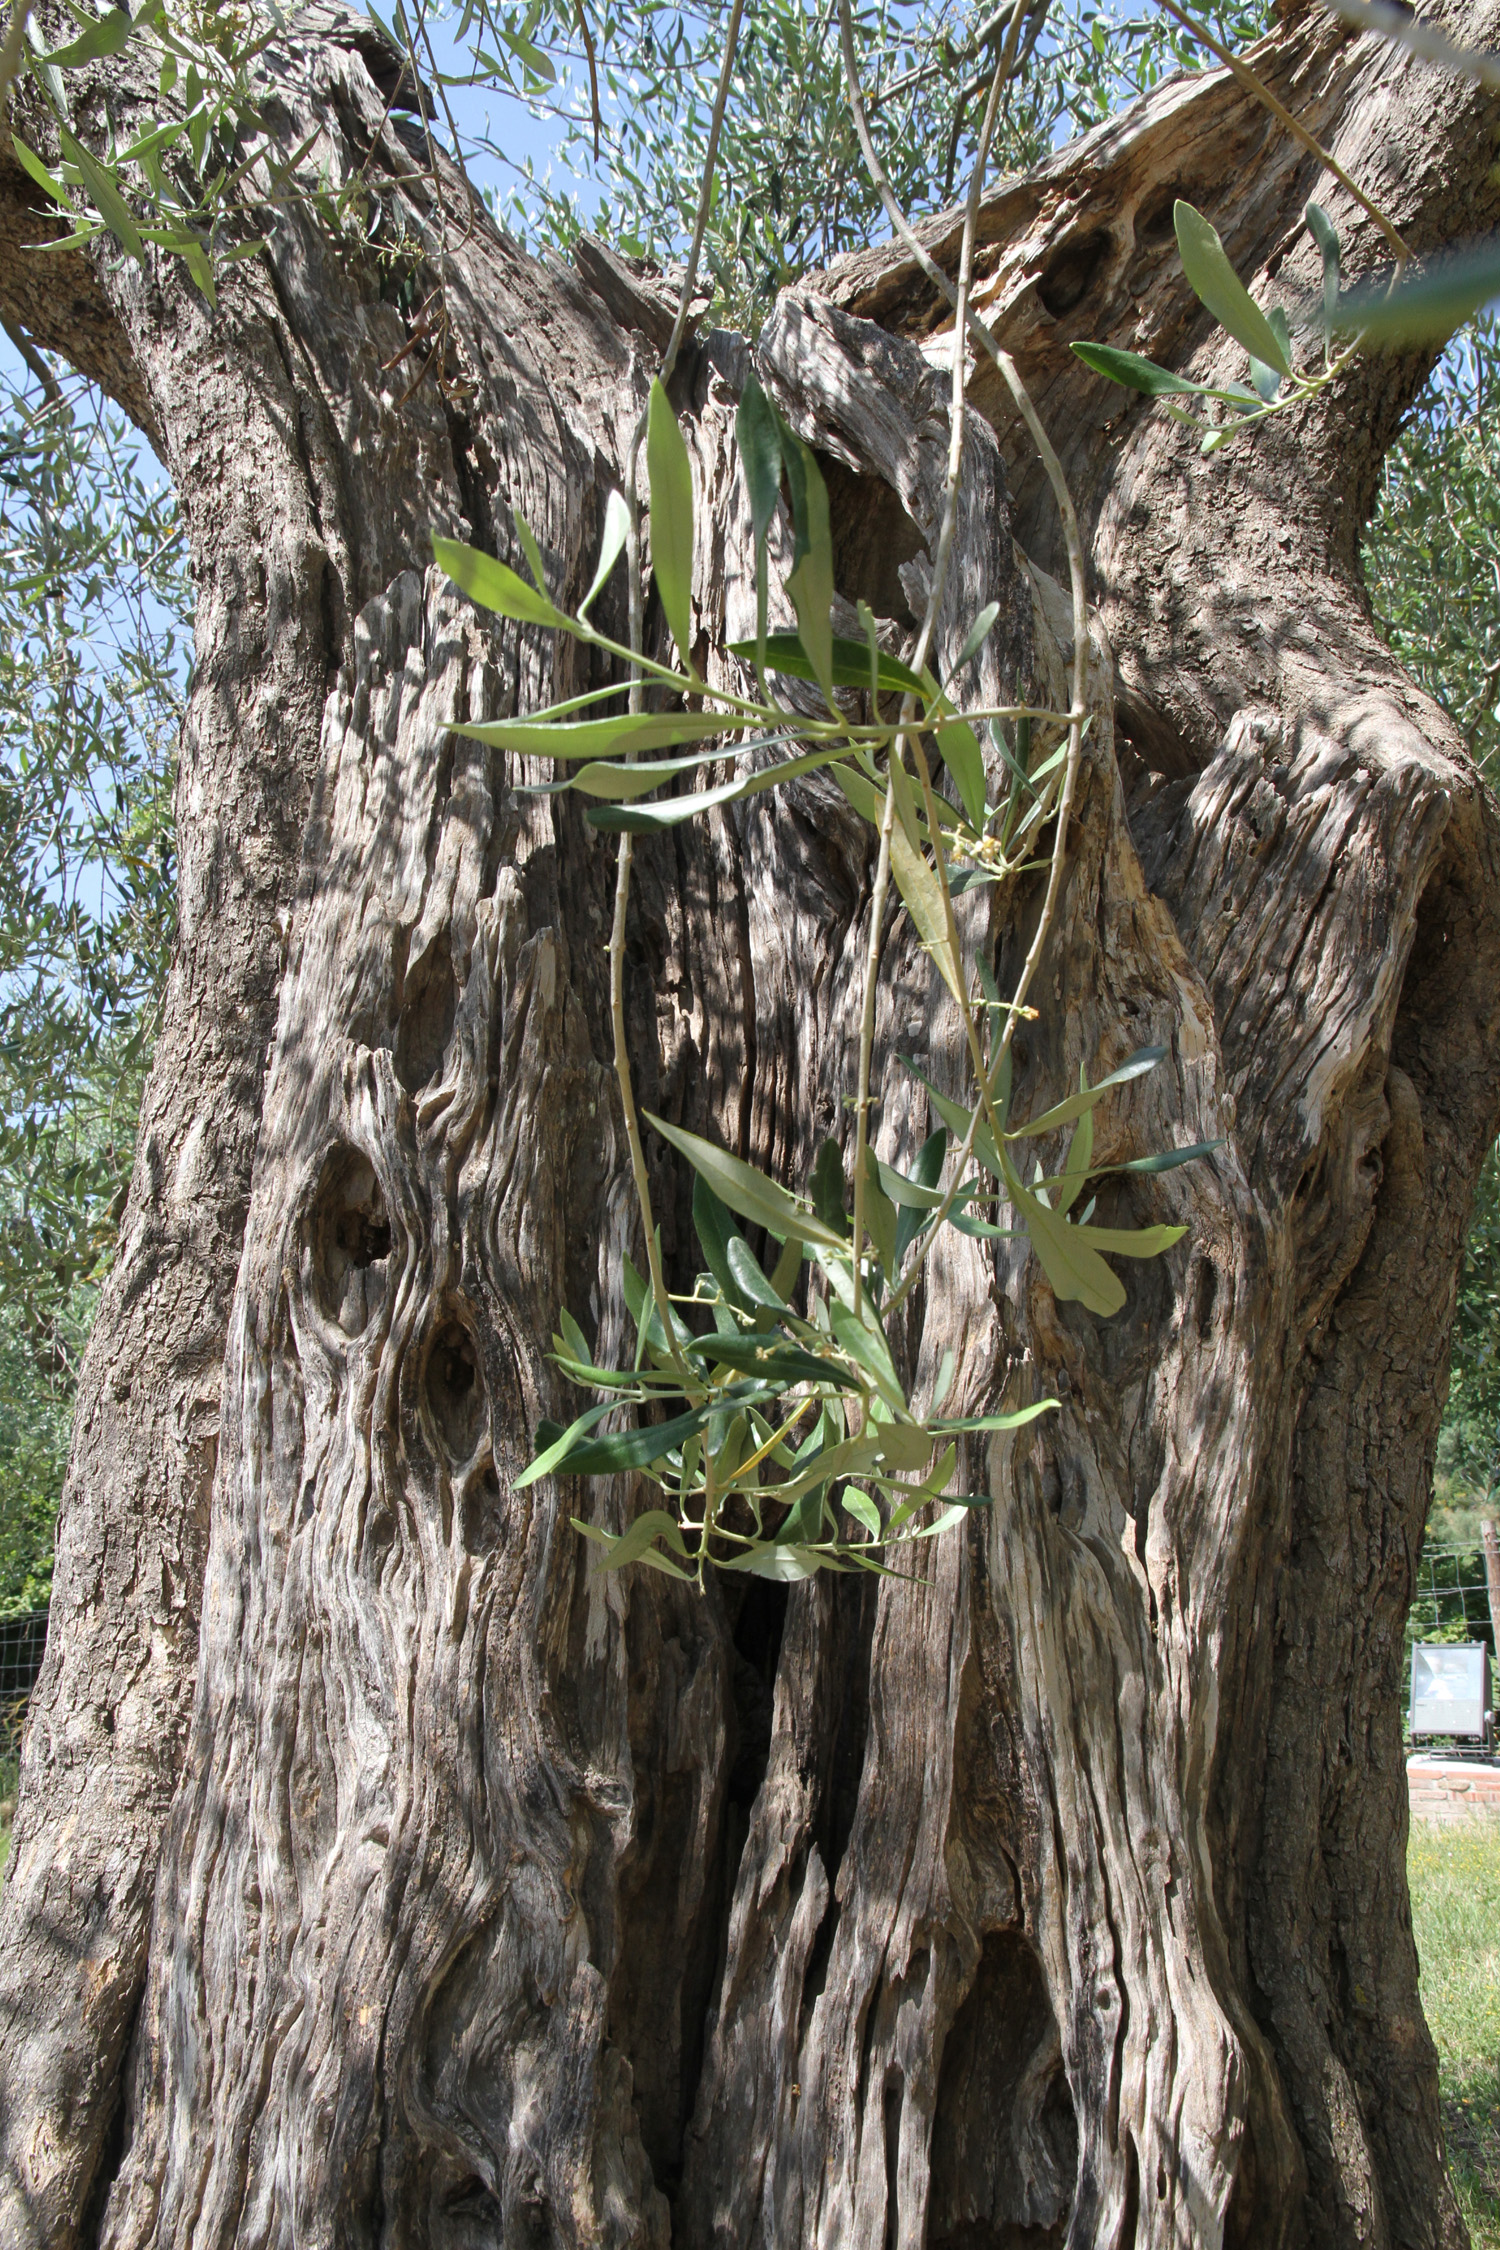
(1450, 1689)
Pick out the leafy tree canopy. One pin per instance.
(94, 602)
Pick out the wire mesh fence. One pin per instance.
(1451, 1605)
(22, 1642)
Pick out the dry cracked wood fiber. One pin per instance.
(1052, 1895)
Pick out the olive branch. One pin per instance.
(782, 1408)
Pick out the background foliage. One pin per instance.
(1433, 548)
(791, 191)
(1432, 559)
(93, 603)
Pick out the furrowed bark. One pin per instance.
(1054, 1893)
(308, 482)
(110, 1712)
(1292, 796)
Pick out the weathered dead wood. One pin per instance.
(1056, 1893)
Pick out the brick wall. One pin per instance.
(1448, 1789)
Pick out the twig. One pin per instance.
(935, 589)
(878, 893)
(476, 201)
(637, 634)
(593, 61)
(10, 53)
(983, 36)
(1074, 542)
(34, 361)
(1012, 378)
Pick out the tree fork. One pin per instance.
(1058, 1889)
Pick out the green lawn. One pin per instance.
(1455, 1897)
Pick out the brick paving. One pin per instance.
(1453, 1789)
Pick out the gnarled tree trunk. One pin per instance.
(383, 1875)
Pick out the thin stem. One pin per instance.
(679, 682)
(705, 198)
(940, 570)
(924, 642)
(36, 365)
(433, 173)
(1294, 125)
(10, 52)
(637, 635)
(1074, 541)
(967, 320)
(710, 1512)
(1003, 711)
(593, 60)
(867, 1022)
(627, 1104)
(476, 202)
(939, 1217)
(1016, 1006)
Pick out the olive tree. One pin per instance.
(384, 1869)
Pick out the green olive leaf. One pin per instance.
(623, 731)
(108, 201)
(780, 1562)
(1137, 374)
(714, 1226)
(1216, 285)
(1088, 1097)
(1422, 308)
(1017, 1419)
(880, 1215)
(965, 761)
(33, 164)
(104, 37)
(558, 1443)
(925, 1175)
(810, 580)
(671, 476)
(631, 1546)
(670, 812)
(745, 1190)
(757, 431)
(494, 586)
(849, 663)
(748, 1273)
(611, 545)
(532, 552)
(1325, 235)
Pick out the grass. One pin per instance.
(1455, 1897)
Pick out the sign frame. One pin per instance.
(1450, 1679)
